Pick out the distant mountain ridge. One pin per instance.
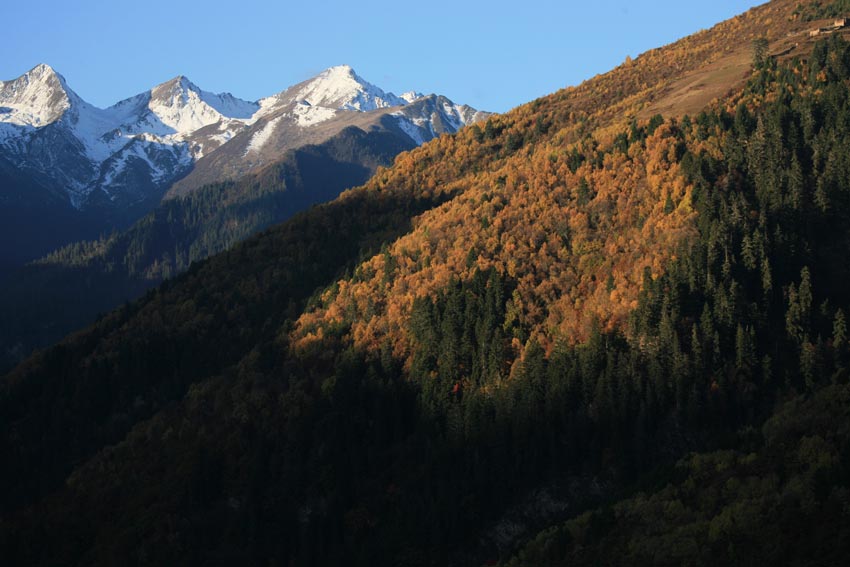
(315, 110)
(86, 171)
(133, 150)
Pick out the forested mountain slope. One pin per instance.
(25, 197)
(71, 173)
(779, 498)
(508, 327)
(42, 302)
(227, 167)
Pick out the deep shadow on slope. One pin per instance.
(43, 302)
(779, 498)
(34, 219)
(87, 392)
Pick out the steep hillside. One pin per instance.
(780, 499)
(25, 196)
(42, 302)
(261, 165)
(570, 196)
(507, 327)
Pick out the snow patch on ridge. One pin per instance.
(222, 138)
(453, 115)
(262, 136)
(411, 96)
(228, 105)
(309, 115)
(412, 131)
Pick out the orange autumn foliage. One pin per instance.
(543, 195)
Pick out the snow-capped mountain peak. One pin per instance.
(36, 98)
(139, 146)
(174, 90)
(341, 88)
(183, 106)
(43, 73)
(411, 96)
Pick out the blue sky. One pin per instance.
(493, 55)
